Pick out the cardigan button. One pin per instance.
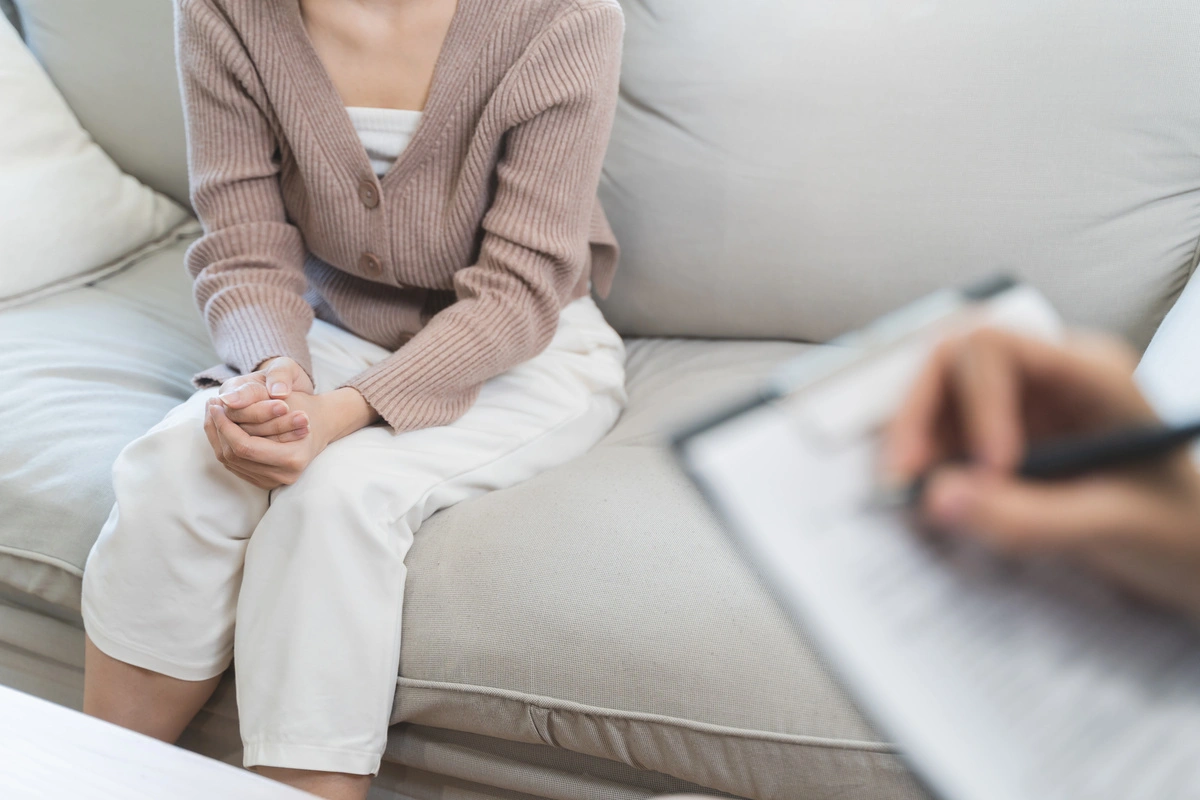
(370, 265)
(368, 193)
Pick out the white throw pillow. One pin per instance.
(67, 212)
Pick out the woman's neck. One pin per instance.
(379, 53)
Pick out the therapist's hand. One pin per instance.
(986, 397)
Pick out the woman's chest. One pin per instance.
(415, 232)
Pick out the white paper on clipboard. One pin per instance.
(999, 681)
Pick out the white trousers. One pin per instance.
(303, 585)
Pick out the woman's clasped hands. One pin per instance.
(267, 426)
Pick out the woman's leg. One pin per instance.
(161, 582)
(318, 619)
(139, 699)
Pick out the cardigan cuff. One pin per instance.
(247, 336)
(393, 397)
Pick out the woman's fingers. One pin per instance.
(275, 426)
(210, 428)
(228, 440)
(244, 395)
(284, 376)
(239, 447)
(263, 411)
(289, 436)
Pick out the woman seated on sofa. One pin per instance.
(421, 176)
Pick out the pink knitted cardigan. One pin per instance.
(460, 257)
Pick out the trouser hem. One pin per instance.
(265, 753)
(139, 657)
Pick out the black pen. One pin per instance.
(1056, 459)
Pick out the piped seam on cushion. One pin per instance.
(31, 555)
(549, 704)
(186, 229)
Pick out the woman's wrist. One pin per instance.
(349, 411)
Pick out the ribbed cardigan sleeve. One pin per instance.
(561, 96)
(248, 265)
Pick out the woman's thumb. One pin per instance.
(279, 380)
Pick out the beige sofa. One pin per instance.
(781, 171)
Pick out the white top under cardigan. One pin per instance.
(385, 133)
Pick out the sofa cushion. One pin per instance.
(599, 608)
(53, 177)
(793, 169)
(115, 63)
(81, 375)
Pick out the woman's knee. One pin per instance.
(173, 447)
(173, 496)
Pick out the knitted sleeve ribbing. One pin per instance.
(248, 265)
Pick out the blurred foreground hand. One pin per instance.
(984, 397)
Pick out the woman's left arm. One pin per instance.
(561, 97)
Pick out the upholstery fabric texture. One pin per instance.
(857, 155)
(595, 609)
(53, 177)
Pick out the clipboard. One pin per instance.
(997, 679)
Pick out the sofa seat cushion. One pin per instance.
(597, 608)
(82, 374)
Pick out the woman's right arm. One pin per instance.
(248, 266)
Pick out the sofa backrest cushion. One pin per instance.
(114, 61)
(53, 178)
(792, 168)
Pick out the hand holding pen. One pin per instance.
(1035, 447)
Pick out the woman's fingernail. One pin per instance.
(300, 420)
(952, 496)
(279, 409)
(278, 388)
(229, 397)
